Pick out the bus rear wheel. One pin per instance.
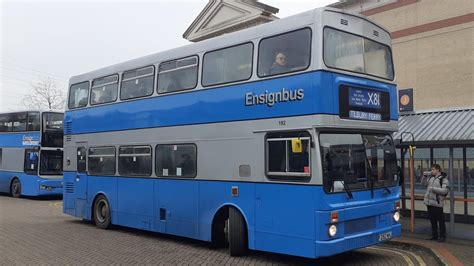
(236, 233)
(102, 212)
(15, 188)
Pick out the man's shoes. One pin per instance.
(442, 239)
(432, 238)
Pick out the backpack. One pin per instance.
(443, 176)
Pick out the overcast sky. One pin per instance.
(60, 39)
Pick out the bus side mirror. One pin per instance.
(296, 145)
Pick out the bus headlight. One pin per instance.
(396, 216)
(332, 230)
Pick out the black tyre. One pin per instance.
(102, 212)
(15, 188)
(237, 233)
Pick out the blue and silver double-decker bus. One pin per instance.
(31, 153)
(274, 138)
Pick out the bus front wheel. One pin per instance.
(15, 188)
(102, 212)
(237, 233)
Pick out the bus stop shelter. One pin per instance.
(445, 137)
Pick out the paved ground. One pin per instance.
(457, 250)
(35, 231)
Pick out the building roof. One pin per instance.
(438, 127)
(223, 16)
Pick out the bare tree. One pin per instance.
(45, 95)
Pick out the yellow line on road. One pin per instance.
(405, 257)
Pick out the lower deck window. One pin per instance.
(284, 161)
(102, 161)
(135, 160)
(51, 162)
(176, 160)
(31, 161)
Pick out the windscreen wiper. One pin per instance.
(347, 189)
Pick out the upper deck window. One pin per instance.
(137, 83)
(33, 121)
(178, 75)
(284, 53)
(78, 95)
(355, 53)
(5, 123)
(19, 121)
(227, 65)
(104, 90)
(53, 121)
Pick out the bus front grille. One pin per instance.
(359, 225)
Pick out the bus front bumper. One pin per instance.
(361, 240)
(50, 187)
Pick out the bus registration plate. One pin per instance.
(385, 236)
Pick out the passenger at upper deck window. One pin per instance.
(280, 65)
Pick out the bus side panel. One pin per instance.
(176, 207)
(285, 219)
(135, 202)
(106, 185)
(5, 179)
(29, 183)
(214, 195)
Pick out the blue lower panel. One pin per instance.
(31, 185)
(280, 217)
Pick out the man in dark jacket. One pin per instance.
(437, 188)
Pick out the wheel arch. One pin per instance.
(221, 214)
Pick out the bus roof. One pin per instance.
(226, 40)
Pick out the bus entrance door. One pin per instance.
(80, 185)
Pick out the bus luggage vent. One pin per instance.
(376, 33)
(344, 22)
(69, 187)
(68, 131)
(359, 225)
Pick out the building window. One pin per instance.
(31, 161)
(102, 161)
(135, 160)
(178, 75)
(78, 95)
(284, 53)
(104, 90)
(227, 65)
(137, 83)
(284, 160)
(176, 160)
(81, 160)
